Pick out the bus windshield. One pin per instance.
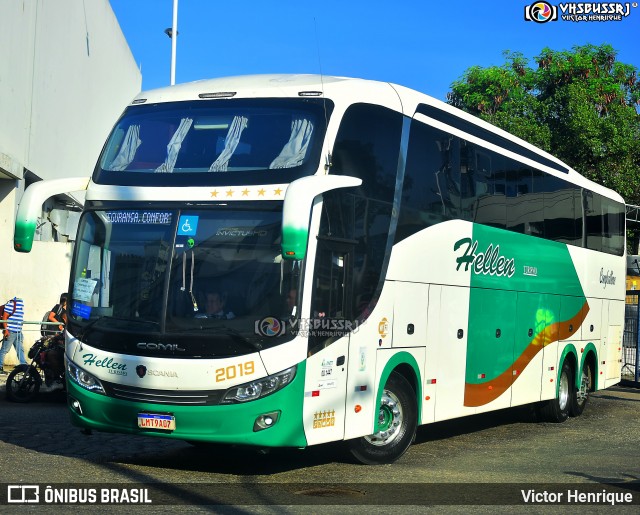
(213, 275)
(203, 142)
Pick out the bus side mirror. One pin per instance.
(31, 207)
(298, 201)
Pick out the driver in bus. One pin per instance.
(215, 307)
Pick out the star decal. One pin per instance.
(214, 193)
(245, 192)
(230, 193)
(277, 192)
(261, 192)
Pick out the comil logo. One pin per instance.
(540, 12)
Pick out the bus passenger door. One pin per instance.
(328, 329)
(324, 393)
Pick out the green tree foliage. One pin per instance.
(579, 105)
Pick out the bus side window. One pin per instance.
(432, 184)
(354, 237)
(519, 196)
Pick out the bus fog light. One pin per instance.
(266, 421)
(74, 404)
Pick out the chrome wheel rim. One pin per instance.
(563, 393)
(390, 418)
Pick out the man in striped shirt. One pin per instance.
(12, 333)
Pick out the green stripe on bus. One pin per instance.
(519, 302)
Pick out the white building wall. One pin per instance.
(66, 74)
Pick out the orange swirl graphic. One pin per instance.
(484, 393)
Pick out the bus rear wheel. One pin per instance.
(581, 394)
(397, 419)
(557, 410)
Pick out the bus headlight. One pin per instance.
(84, 379)
(259, 388)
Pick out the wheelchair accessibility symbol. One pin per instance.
(188, 225)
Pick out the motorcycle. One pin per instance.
(25, 381)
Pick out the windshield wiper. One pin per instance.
(235, 335)
(91, 323)
(238, 337)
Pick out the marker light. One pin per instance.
(218, 94)
(310, 94)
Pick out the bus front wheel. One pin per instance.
(397, 422)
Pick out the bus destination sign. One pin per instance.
(139, 217)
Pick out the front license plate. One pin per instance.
(156, 421)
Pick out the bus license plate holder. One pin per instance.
(157, 421)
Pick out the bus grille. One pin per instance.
(176, 397)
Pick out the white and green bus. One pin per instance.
(292, 260)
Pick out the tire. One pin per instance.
(581, 394)
(398, 414)
(557, 410)
(23, 384)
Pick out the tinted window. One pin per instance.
(447, 177)
(604, 224)
(491, 207)
(613, 214)
(559, 218)
(432, 181)
(367, 146)
(520, 197)
(354, 236)
(243, 141)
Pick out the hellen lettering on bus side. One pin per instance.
(489, 262)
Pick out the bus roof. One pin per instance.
(244, 86)
(337, 89)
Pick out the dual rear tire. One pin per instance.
(570, 401)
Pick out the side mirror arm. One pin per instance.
(298, 201)
(31, 207)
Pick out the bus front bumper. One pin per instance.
(228, 423)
